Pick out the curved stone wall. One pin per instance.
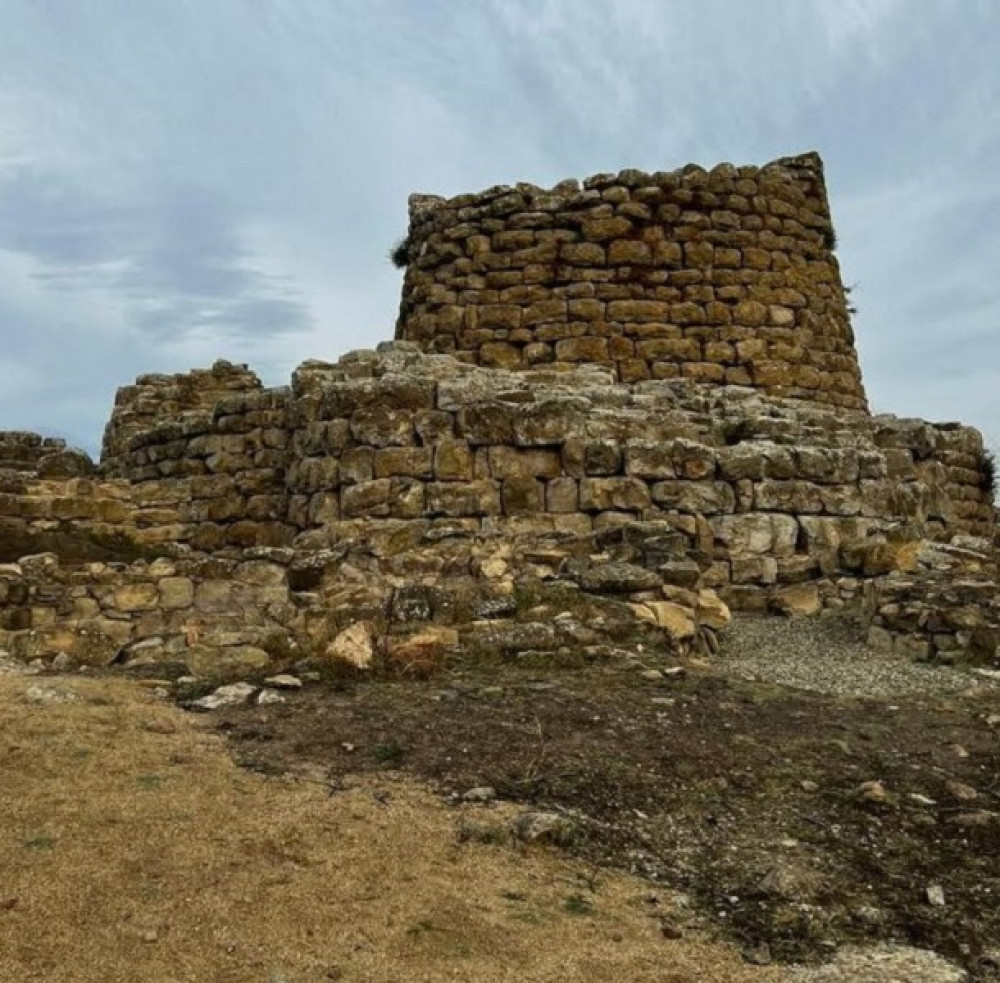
(721, 276)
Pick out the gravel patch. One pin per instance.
(881, 964)
(829, 655)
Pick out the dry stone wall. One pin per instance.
(156, 398)
(216, 478)
(724, 277)
(766, 493)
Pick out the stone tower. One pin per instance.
(724, 276)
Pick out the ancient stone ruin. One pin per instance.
(613, 413)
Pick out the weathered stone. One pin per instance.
(354, 646)
(797, 599)
(618, 578)
(226, 662)
(619, 494)
(175, 592)
(136, 597)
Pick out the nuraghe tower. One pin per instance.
(613, 411)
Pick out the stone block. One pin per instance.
(614, 494)
(797, 599)
(371, 498)
(562, 495)
(515, 462)
(650, 459)
(408, 462)
(175, 593)
(548, 422)
(523, 494)
(582, 350)
(706, 497)
(135, 597)
(357, 464)
(457, 499)
(452, 461)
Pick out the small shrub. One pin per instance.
(986, 464)
(400, 253)
(577, 904)
(389, 753)
(851, 308)
(488, 833)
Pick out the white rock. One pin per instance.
(353, 646)
(266, 696)
(225, 696)
(284, 680)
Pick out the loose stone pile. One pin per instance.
(408, 506)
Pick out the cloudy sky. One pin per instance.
(182, 180)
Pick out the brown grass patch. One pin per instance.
(133, 848)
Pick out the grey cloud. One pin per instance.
(176, 261)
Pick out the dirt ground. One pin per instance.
(715, 830)
(757, 802)
(134, 848)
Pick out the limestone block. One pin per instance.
(618, 578)
(452, 461)
(456, 499)
(582, 350)
(85, 644)
(502, 316)
(629, 252)
(135, 597)
(706, 497)
(321, 509)
(554, 309)
(587, 308)
(549, 422)
(797, 599)
(354, 645)
(711, 611)
(423, 651)
(410, 462)
(514, 462)
(756, 532)
(380, 426)
(562, 495)
(798, 568)
(668, 349)
(357, 464)
(487, 423)
(651, 460)
(742, 461)
(694, 461)
(175, 592)
(754, 569)
(214, 596)
(614, 494)
(501, 355)
(795, 497)
(677, 620)
(229, 662)
(604, 228)
(367, 498)
(582, 254)
(523, 494)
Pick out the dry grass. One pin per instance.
(133, 849)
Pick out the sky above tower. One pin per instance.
(184, 180)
